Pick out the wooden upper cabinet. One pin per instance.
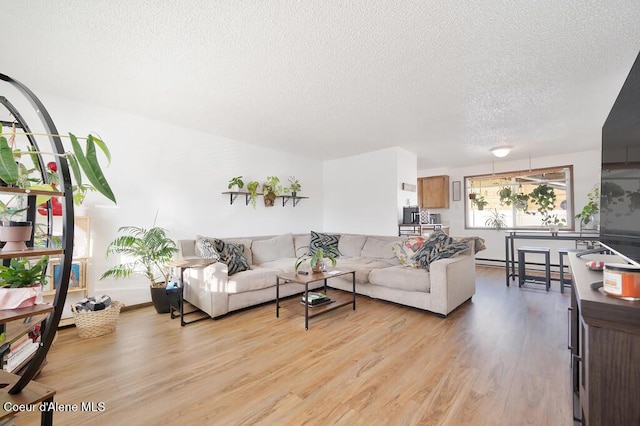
(433, 192)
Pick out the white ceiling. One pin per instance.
(447, 80)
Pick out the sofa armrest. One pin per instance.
(206, 287)
(453, 281)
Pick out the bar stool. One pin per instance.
(562, 252)
(522, 277)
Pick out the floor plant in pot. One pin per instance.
(149, 252)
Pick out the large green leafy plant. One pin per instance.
(149, 251)
(20, 273)
(82, 162)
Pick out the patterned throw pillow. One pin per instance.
(405, 250)
(327, 242)
(206, 250)
(232, 255)
(437, 246)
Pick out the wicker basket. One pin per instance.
(97, 323)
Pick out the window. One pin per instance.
(530, 199)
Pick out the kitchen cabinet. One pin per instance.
(433, 192)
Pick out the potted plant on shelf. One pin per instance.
(149, 252)
(271, 188)
(15, 230)
(237, 182)
(13, 171)
(316, 260)
(294, 186)
(479, 202)
(252, 187)
(588, 213)
(21, 282)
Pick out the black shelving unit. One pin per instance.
(20, 388)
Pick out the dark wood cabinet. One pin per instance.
(433, 192)
(605, 350)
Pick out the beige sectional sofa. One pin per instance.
(379, 274)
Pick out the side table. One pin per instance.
(183, 265)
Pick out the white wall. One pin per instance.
(586, 173)
(180, 173)
(362, 193)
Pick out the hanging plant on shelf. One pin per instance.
(252, 187)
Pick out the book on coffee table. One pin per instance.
(316, 299)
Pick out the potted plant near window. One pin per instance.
(479, 202)
(518, 199)
(496, 220)
(149, 252)
(544, 197)
(21, 282)
(587, 215)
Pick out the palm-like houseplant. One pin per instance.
(149, 252)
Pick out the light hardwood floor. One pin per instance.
(500, 359)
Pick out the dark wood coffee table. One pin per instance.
(293, 277)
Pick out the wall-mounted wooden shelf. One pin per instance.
(285, 198)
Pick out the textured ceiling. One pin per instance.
(446, 80)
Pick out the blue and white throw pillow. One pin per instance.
(327, 242)
(437, 246)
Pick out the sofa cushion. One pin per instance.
(362, 265)
(327, 242)
(205, 249)
(253, 279)
(272, 249)
(301, 244)
(401, 278)
(379, 249)
(437, 246)
(286, 264)
(351, 245)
